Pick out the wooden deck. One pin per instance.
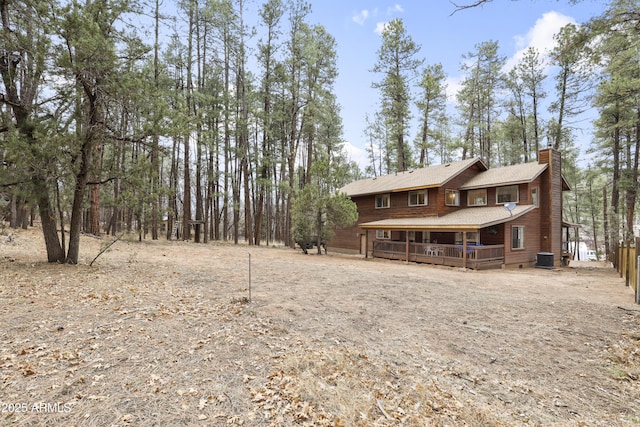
(477, 257)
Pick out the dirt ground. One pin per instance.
(163, 334)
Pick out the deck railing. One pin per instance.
(477, 256)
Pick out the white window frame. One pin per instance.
(383, 234)
(456, 197)
(417, 193)
(507, 191)
(473, 200)
(535, 197)
(519, 235)
(385, 201)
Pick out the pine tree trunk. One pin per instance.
(75, 226)
(186, 198)
(155, 147)
(55, 251)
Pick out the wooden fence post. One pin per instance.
(637, 288)
(627, 261)
(636, 280)
(617, 256)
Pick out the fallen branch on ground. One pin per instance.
(103, 250)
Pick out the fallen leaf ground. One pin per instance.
(163, 334)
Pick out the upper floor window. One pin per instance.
(535, 201)
(507, 194)
(477, 197)
(452, 198)
(382, 201)
(418, 198)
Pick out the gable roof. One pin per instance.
(433, 176)
(468, 219)
(506, 175)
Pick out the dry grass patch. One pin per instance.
(345, 387)
(162, 334)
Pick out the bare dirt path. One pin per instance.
(161, 333)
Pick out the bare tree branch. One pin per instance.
(459, 7)
(105, 248)
(11, 184)
(5, 100)
(104, 181)
(476, 3)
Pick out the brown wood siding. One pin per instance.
(346, 238)
(551, 204)
(524, 196)
(527, 256)
(545, 212)
(492, 235)
(455, 184)
(398, 207)
(556, 206)
(349, 238)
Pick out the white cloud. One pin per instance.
(356, 154)
(539, 36)
(454, 84)
(380, 27)
(361, 16)
(395, 8)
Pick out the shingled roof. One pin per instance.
(467, 219)
(433, 176)
(437, 176)
(506, 175)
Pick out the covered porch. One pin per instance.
(474, 256)
(468, 238)
(570, 246)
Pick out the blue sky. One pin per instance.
(443, 38)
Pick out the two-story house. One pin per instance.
(462, 214)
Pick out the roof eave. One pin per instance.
(439, 184)
(386, 225)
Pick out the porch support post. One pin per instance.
(464, 249)
(366, 243)
(406, 233)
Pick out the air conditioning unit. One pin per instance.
(544, 260)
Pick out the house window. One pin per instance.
(383, 234)
(477, 197)
(452, 198)
(472, 238)
(517, 237)
(418, 198)
(382, 201)
(507, 194)
(534, 197)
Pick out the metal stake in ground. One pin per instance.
(249, 276)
